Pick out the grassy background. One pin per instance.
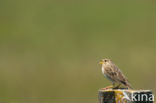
(49, 50)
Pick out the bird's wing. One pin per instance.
(115, 74)
(120, 76)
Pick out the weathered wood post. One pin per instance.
(125, 96)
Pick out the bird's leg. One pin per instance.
(117, 87)
(113, 84)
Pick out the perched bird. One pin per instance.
(113, 73)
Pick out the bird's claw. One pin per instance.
(109, 87)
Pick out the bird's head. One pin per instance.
(105, 61)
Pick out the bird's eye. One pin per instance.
(105, 60)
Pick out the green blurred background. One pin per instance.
(49, 50)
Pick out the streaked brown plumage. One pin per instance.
(113, 73)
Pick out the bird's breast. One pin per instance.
(103, 70)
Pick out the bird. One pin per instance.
(114, 74)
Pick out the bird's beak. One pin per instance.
(101, 62)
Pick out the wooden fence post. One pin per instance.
(125, 96)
